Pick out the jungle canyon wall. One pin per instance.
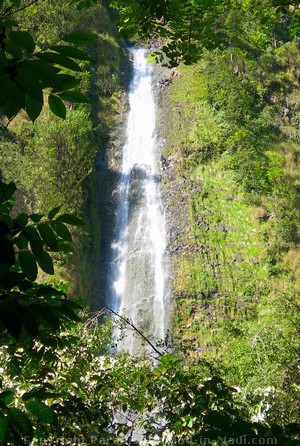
(230, 187)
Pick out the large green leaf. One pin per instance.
(12, 321)
(36, 217)
(47, 290)
(70, 219)
(54, 212)
(28, 264)
(23, 39)
(81, 38)
(30, 81)
(40, 393)
(74, 96)
(65, 247)
(59, 59)
(12, 279)
(69, 312)
(16, 3)
(48, 235)
(66, 81)
(12, 107)
(29, 320)
(57, 106)
(45, 262)
(3, 430)
(35, 240)
(61, 230)
(71, 51)
(13, 49)
(7, 191)
(20, 421)
(15, 94)
(41, 411)
(7, 397)
(47, 315)
(21, 219)
(33, 108)
(46, 73)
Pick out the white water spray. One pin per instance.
(138, 251)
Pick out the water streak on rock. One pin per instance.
(138, 276)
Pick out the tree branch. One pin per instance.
(125, 319)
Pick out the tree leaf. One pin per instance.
(16, 3)
(71, 51)
(45, 72)
(20, 421)
(28, 264)
(74, 96)
(7, 396)
(83, 38)
(23, 39)
(12, 280)
(57, 106)
(69, 313)
(21, 219)
(59, 59)
(7, 191)
(30, 82)
(29, 321)
(16, 96)
(3, 430)
(47, 315)
(13, 49)
(61, 230)
(12, 321)
(41, 411)
(70, 219)
(48, 235)
(36, 217)
(35, 240)
(12, 107)
(53, 212)
(65, 247)
(47, 290)
(33, 108)
(66, 81)
(45, 262)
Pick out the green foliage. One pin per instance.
(233, 128)
(28, 72)
(189, 27)
(32, 313)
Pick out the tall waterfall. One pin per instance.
(138, 278)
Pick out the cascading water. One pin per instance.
(138, 278)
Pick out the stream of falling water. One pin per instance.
(138, 278)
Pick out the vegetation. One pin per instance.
(234, 131)
(235, 374)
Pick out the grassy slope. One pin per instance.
(237, 282)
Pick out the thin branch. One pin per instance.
(125, 319)
(18, 10)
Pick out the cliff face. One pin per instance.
(230, 188)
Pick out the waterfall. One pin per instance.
(138, 274)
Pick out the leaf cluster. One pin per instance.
(28, 72)
(31, 312)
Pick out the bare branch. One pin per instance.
(125, 319)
